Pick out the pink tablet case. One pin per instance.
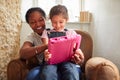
(62, 48)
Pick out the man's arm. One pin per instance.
(28, 50)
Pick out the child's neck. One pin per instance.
(59, 30)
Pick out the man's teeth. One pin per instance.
(39, 28)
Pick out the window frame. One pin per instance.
(35, 4)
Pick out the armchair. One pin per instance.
(17, 69)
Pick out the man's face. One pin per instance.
(37, 22)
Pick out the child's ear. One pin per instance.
(67, 19)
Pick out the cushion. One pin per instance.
(98, 68)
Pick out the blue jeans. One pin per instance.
(34, 74)
(67, 70)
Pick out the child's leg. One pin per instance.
(69, 71)
(49, 72)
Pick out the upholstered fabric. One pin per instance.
(19, 74)
(98, 68)
(95, 68)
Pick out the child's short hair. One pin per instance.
(59, 10)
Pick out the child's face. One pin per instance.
(37, 22)
(58, 22)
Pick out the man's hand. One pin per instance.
(78, 57)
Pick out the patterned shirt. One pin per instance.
(35, 39)
(46, 33)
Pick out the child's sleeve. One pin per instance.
(44, 34)
(71, 32)
(44, 37)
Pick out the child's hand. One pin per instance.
(44, 40)
(47, 55)
(78, 57)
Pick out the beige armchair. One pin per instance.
(18, 69)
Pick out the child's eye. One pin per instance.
(61, 22)
(54, 22)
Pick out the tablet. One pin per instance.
(62, 48)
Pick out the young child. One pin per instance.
(68, 71)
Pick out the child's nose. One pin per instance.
(57, 24)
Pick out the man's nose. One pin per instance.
(37, 23)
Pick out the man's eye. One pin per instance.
(41, 20)
(32, 22)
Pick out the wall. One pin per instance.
(105, 28)
(10, 25)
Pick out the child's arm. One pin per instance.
(44, 40)
(47, 55)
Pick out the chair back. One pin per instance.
(86, 46)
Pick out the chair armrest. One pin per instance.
(17, 70)
(98, 68)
